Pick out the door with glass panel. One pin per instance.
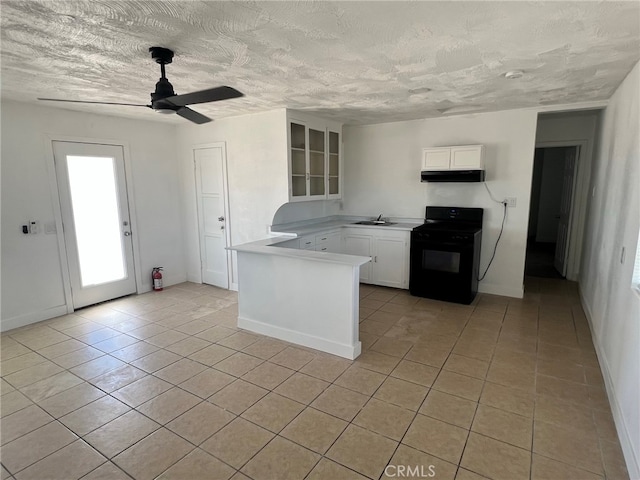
(95, 217)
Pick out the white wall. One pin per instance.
(256, 148)
(32, 284)
(613, 222)
(382, 175)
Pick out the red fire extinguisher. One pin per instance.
(156, 278)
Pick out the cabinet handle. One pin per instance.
(375, 259)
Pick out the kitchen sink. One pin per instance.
(378, 223)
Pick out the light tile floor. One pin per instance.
(163, 385)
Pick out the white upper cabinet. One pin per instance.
(315, 159)
(464, 157)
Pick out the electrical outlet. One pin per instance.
(33, 227)
(511, 201)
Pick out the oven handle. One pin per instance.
(431, 244)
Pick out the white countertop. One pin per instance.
(307, 228)
(268, 246)
(283, 233)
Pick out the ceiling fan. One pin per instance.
(165, 100)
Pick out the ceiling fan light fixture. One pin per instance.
(165, 111)
(514, 74)
(418, 91)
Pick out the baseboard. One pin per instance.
(166, 281)
(32, 317)
(342, 350)
(505, 291)
(630, 455)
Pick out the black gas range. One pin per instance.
(445, 254)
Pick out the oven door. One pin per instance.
(443, 268)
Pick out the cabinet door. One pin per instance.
(389, 262)
(298, 163)
(334, 165)
(436, 158)
(317, 163)
(466, 157)
(357, 244)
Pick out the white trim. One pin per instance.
(494, 289)
(571, 107)
(32, 317)
(300, 338)
(579, 200)
(630, 455)
(225, 188)
(57, 209)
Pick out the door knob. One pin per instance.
(127, 234)
(221, 219)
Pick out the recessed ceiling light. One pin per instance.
(513, 74)
(419, 90)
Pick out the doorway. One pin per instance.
(550, 211)
(96, 222)
(213, 213)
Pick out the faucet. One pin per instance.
(379, 217)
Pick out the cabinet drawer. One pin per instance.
(307, 242)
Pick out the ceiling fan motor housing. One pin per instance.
(164, 88)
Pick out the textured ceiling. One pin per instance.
(359, 62)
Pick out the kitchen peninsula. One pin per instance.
(301, 294)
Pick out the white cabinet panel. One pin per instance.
(360, 244)
(435, 158)
(466, 158)
(389, 262)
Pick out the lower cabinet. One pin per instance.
(388, 249)
(389, 252)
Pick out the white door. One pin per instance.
(95, 216)
(212, 214)
(562, 241)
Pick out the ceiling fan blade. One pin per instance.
(99, 103)
(192, 115)
(204, 96)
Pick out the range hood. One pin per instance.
(452, 176)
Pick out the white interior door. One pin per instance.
(95, 216)
(212, 214)
(562, 242)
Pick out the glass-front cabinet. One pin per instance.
(334, 165)
(314, 161)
